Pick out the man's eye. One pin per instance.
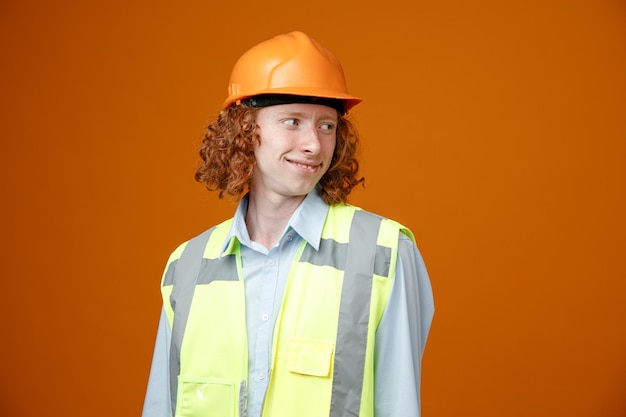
(292, 122)
(328, 126)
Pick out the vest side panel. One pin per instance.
(307, 327)
(307, 393)
(306, 330)
(211, 352)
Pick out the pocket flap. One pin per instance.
(310, 357)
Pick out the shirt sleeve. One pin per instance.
(401, 336)
(157, 402)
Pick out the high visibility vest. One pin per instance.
(323, 345)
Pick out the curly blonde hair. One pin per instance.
(227, 153)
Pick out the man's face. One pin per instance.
(294, 145)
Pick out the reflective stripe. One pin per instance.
(382, 261)
(222, 269)
(183, 278)
(243, 398)
(334, 254)
(354, 316)
(330, 253)
(168, 279)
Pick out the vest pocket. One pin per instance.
(207, 397)
(310, 357)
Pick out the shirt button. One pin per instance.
(265, 317)
(289, 238)
(271, 262)
(261, 375)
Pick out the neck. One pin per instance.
(266, 219)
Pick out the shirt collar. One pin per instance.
(307, 221)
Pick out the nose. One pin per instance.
(311, 141)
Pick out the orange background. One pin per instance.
(496, 130)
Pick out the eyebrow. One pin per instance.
(299, 114)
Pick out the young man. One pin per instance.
(300, 305)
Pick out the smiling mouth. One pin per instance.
(307, 167)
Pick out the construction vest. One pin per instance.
(323, 344)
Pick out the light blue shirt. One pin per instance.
(400, 338)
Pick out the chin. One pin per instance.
(301, 192)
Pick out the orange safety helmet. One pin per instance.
(292, 64)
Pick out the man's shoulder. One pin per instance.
(218, 230)
(349, 210)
